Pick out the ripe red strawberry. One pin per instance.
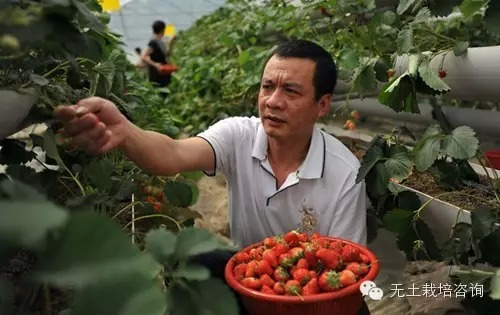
(270, 256)
(280, 274)
(254, 254)
(263, 268)
(329, 281)
(312, 287)
(347, 278)
(301, 275)
(279, 288)
(303, 237)
(267, 290)
(285, 260)
(364, 259)
(267, 280)
(321, 243)
(293, 287)
(313, 274)
(251, 269)
(251, 283)
(292, 238)
(242, 257)
(328, 258)
(310, 254)
(315, 236)
(302, 263)
(240, 270)
(269, 242)
(349, 253)
(296, 253)
(442, 73)
(336, 246)
(359, 269)
(280, 249)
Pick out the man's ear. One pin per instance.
(324, 105)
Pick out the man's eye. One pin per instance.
(266, 87)
(291, 91)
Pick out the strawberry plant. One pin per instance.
(220, 78)
(66, 216)
(87, 257)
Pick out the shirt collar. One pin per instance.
(314, 163)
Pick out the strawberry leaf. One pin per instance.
(405, 5)
(26, 222)
(128, 294)
(428, 153)
(99, 171)
(400, 94)
(461, 48)
(193, 272)
(372, 157)
(365, 80)
(431, 78)
(427, 150)
(405, 40)
(483, 223)
(350, 59)
(160, 244)
(461, 143)
(180, 193)
(89, 248)
(470, 7)
(398, 221)
(398, 166)
(194, 241)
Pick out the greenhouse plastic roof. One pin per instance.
(135, 17)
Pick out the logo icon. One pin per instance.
(370, 288)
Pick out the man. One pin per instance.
(157, 54)
(274, 164)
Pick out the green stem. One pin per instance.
(80, 186)
(154, 216)
(444, 37)
(48, 303)
(67, 187)
(59, 66)
(125, 208)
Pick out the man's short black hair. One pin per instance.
(325, 74)
(158, 27)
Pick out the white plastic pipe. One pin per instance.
(482, 121)
(14, 107)
(473, 77)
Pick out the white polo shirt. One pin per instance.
(325, 183)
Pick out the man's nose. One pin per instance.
(276, 99)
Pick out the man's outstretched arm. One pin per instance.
(97, 126)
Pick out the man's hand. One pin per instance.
(93, 124)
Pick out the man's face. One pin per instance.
(287, 106)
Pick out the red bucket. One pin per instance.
(346, 301)
(494, 158)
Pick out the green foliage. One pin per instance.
(107, 274)
(220, 78)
